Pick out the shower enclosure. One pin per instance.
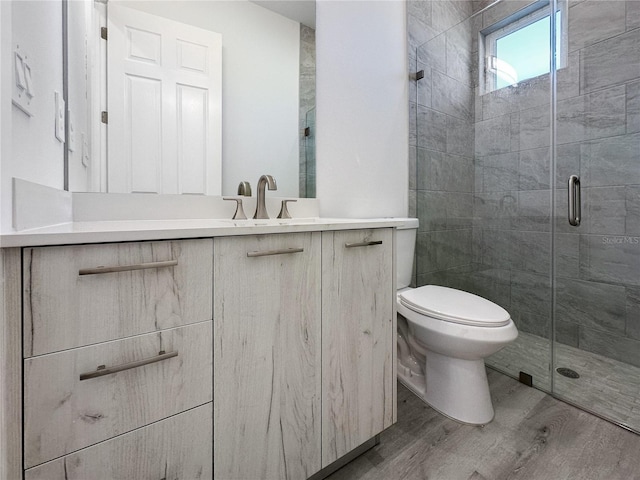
(509, 101)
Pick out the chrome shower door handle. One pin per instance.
(575, 210)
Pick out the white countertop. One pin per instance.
(136, 230)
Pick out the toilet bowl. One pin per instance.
(444, 335)
(457, 331)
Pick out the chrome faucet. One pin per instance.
(261, 210)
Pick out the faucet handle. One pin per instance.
(239, 214)
(284, 212)
(244, 189)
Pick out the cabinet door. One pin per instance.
(267, 356)
(358, 339)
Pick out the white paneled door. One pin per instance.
(164, 104)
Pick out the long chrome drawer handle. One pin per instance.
(127, 268)
(103, 370)
(363, 244)
(282, 251)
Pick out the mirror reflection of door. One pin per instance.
(164, 105)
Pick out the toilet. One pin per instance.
(444, 335)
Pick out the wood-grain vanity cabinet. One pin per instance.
(237, 357)
(267, 366)
(117, 369)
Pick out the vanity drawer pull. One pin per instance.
(127, 268)
(102, 370)
(363, 244)
(282, 251)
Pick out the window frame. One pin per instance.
(517, 21)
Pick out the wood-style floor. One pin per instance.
(533, 437)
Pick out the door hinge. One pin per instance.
(103, 33)
(104, 117)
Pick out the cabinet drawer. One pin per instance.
(63, 413)
(67, 305)
(178, 447)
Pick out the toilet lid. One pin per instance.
(454, 306)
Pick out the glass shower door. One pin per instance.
(512, 208)
(596, 294)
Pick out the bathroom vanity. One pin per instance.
(206, 349)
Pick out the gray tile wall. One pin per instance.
(441, 182)
(597, 285)
(480, 179)
(306, 110)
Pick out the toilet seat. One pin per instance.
(454, 306)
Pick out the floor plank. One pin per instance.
(533, 437)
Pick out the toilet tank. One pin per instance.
(405, 248)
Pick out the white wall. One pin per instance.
(5, 113)
(78, 101)
(362, 108)
(34, 153)
(260, 65)
(37, 154)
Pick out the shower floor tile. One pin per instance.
(606, 387)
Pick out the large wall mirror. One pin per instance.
(198, 95)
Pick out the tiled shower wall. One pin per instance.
(598, 131)
(481, 173)
(306, 111)
(441, 136)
